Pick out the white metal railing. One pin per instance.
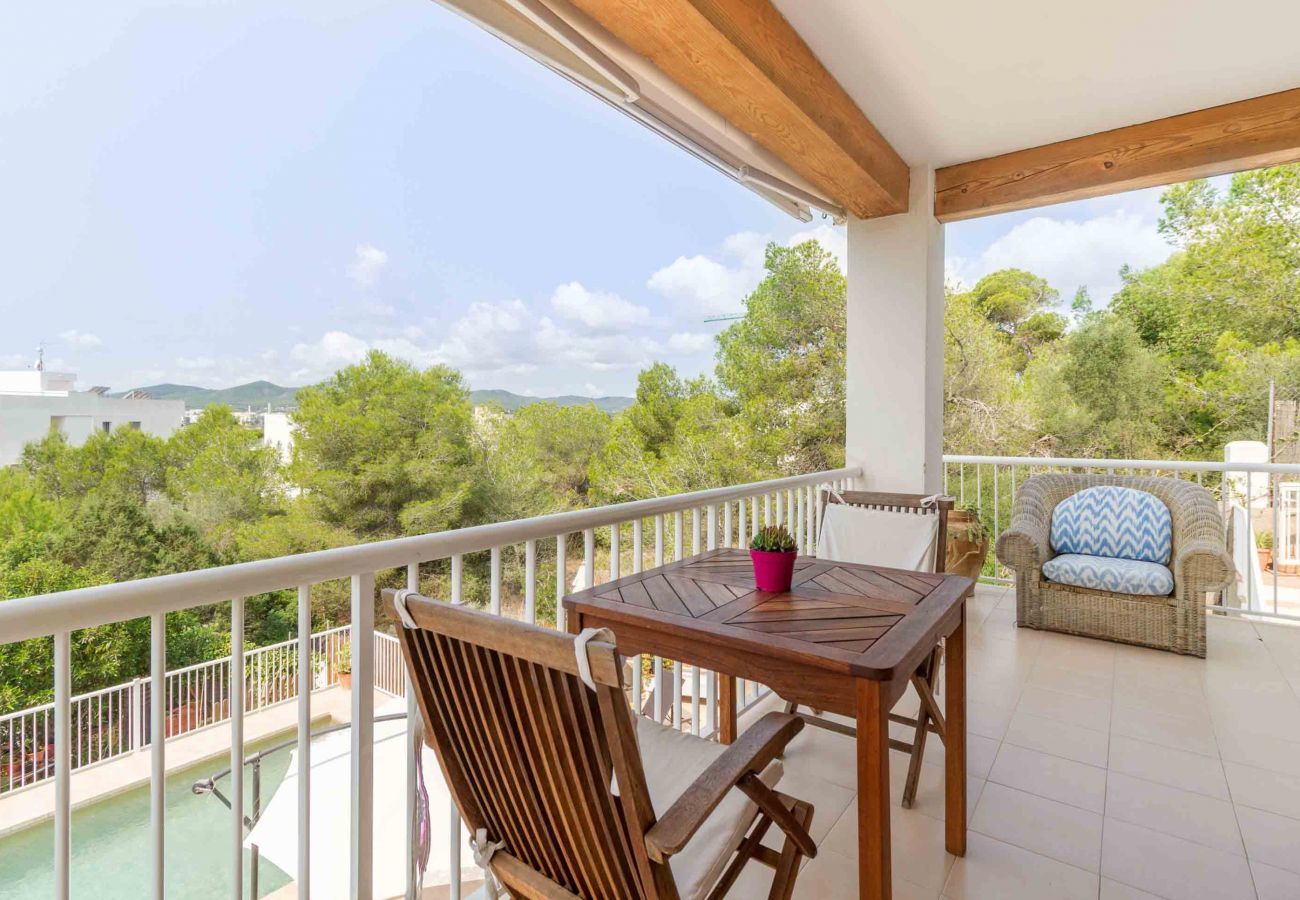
(714, 518)
(114, 721)
(989, 483)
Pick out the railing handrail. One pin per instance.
(1164, 465)
(46, 614)
(171, 673)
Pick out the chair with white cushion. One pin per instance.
(569, 795)
(1127, 559)
(898, 531)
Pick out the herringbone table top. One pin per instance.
(865, 618)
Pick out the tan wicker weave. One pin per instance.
(1177, 622)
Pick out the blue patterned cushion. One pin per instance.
(1107, 573)
(1109, 520)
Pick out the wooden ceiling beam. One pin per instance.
(1264, 131)
(743, 60)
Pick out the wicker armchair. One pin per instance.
(1199, 562)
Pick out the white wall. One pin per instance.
(24, 419)
(894, 388)
(277, 432)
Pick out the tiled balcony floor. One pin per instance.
(1096, 770)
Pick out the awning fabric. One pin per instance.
(570, 43)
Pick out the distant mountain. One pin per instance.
(510, 401)
(258, 394)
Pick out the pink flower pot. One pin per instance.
(773, 571)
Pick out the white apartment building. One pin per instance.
(277, 432)
(32, 401)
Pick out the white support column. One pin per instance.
(894, 373)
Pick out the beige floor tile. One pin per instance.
(1171, 867)
(1047, 674)
(1165, 765)
(986, 720)
(996, 869)
(1053, 777)
(833, 757)
(1144, 697)
(1057, 738)
(1086, 712)
(1270, 838)
(829, 802)
(1273, 883)
(918, 845)
(1193, 817)
(1262, 789)
(1280, 721)
(833, 876)
(1113, 890)
(1261, 752)
(1065, 833)
(1193, 735)
(929, 790)
(1183, 680)
(980, 753)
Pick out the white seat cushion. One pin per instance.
(672, 761)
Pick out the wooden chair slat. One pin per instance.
(528, 751)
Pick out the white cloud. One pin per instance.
(597, 309)
(195, 363)
(1071, 253)
(833, 239)
(80, 338)
(333, 350)
(687, 342)
(368, 263)
(706, 285)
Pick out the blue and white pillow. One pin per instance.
(1118, 522)
(1103, 573)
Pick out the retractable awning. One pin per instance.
(562, 38)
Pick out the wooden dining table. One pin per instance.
(846, 638)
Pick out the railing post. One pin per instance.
(363, 735)
(137, 715)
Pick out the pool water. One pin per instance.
(111, 850)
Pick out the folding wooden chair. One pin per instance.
(567, 793)
(929, 719)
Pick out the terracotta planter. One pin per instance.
(345, 680)
(964, 556)
(1265, 559)
(773, 571)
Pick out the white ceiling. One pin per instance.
(948, 81)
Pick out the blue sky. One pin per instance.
(212, 192)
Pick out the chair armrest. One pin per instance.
(1201, 557)
(1026, 543)
(1205, 564)
(757, 747)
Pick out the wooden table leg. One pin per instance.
(875, 881)
(573, 622)
(726, 708)
(954, 751)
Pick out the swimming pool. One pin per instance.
(110, 843)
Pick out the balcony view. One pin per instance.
(896, 408)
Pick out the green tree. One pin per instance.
(983, 405)
(221, 475)
(1237, 268)
(783, 363)
(384, 448)
(1099, 392)
(1019, 304)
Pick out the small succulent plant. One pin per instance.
(773, 539)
